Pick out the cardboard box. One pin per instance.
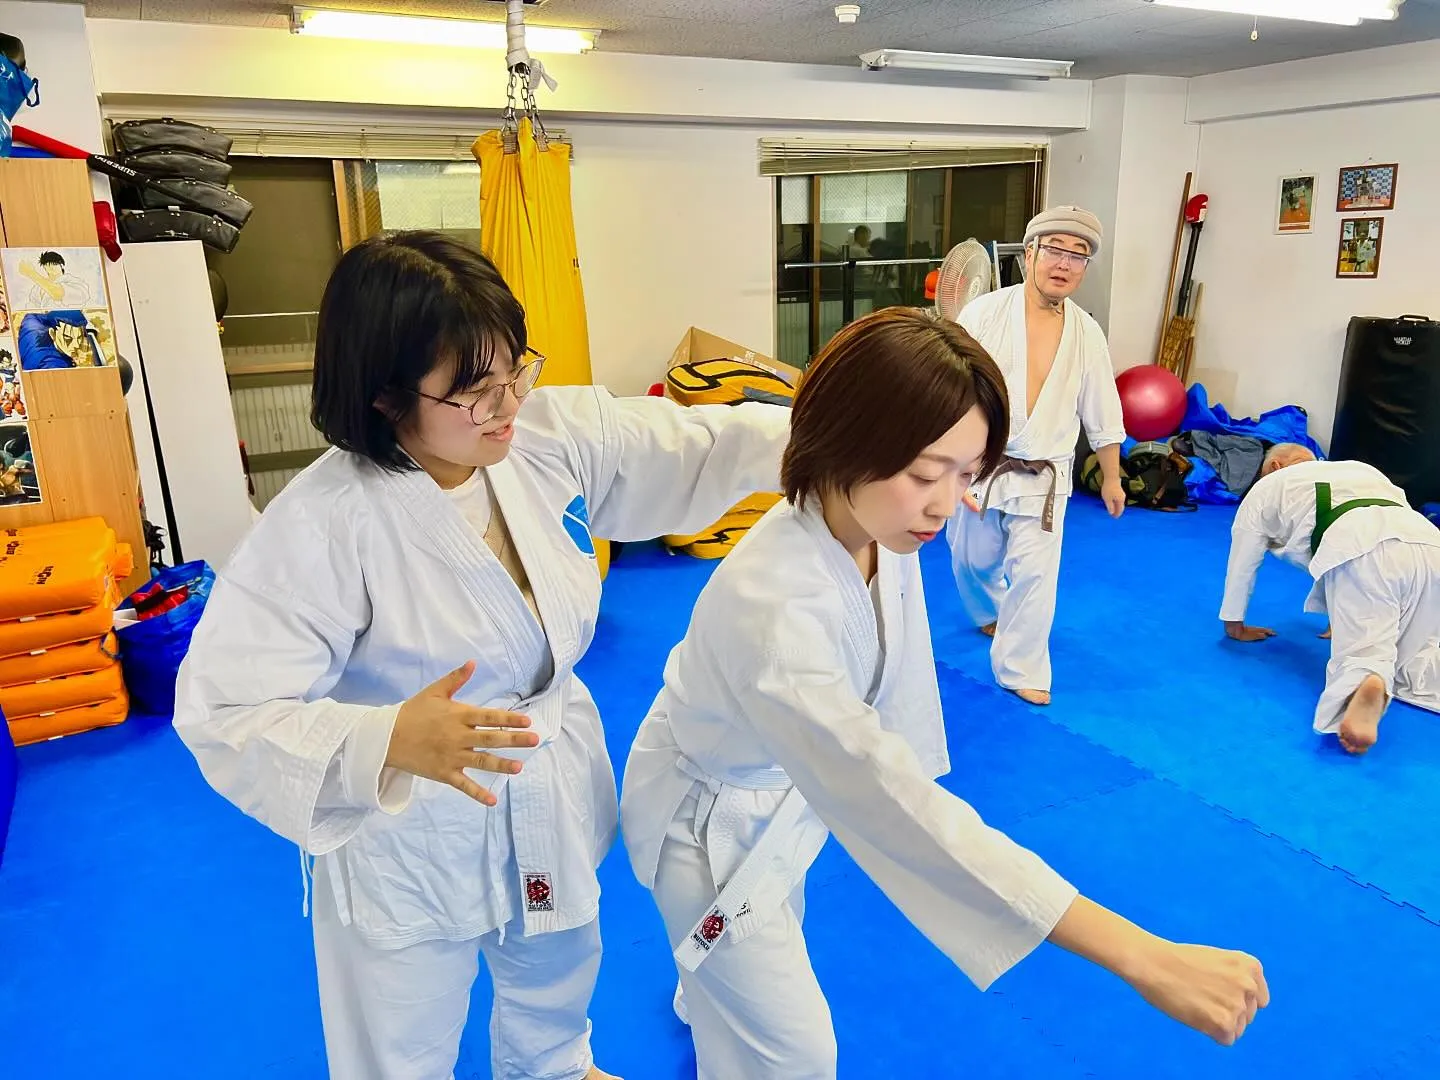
(700, 344)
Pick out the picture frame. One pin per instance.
(1367, 187)
(1295, 204)
(1358, 254)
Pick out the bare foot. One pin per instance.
(596, 1074)
(1034, 697)
(1361, 726)
(988, 629)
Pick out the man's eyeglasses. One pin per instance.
(483, 409)
(1065, 257)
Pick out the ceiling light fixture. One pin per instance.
(423, 30)
(1011, 66)
(1334, 12)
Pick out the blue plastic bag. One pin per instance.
(151, 650)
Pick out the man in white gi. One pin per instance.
(1006, 557)
(1376, 565)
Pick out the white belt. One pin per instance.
(764, 880)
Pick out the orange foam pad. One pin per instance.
(46, 631)
(52, 695)
(33, 729)
(57, 540)
(50, 584)
(76, 659)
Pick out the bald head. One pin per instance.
(1283, 454)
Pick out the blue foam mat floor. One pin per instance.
(147, 929)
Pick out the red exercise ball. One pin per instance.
(1153, 401)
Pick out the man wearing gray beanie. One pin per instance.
(1006, 554)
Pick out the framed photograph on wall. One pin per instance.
(1295, 204)
(1367, 187)
(1359, 254)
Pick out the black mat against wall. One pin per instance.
(1387, 410)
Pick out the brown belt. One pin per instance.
(1034, 468)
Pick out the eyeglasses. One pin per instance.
(1064, 257)
(483, 409)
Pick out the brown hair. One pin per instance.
(884, 388)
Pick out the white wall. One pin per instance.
(1129, 168)
(169, 61)
(1274, 312)
(1369, 77)
(674, 224)
(1157, 150)
(675, 228)
(1085, 171)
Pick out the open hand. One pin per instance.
(1238, 631)
(1215, 991)
(1112, 492)
(439, 738)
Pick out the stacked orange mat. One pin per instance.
(59, 660)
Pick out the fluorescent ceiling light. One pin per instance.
(1335, 12)
(1014, 67)
(418, 30)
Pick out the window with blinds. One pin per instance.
(859, 224)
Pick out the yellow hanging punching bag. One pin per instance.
(528, 231)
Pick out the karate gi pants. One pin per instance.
(397, 1014)
(1384, 611)
(1007, 569)
(755, 1007)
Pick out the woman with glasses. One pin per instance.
(1056, 363)
(384, 671)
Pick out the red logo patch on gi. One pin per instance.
(538, 896)
(710, 929)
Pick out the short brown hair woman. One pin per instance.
(803, 701)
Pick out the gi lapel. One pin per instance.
(892, 617)
(860, 625)
(541, 541)
(488, 584)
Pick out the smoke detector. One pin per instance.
(847, 13)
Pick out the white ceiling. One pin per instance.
(1103, 37)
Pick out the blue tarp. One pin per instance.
(1287, 424)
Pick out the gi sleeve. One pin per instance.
(251, 698)
(1248, 544)
(1100, 411)
(981, 898)
(661, 467)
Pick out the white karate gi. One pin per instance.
(790, 710)
(359, 588)
(1376, 571)
(1006, 565)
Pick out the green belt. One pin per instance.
(1326, 515)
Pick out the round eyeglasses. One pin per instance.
(483, 409)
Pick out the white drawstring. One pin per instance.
(307, 874)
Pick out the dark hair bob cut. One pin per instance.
(396, 306)
(884, 388)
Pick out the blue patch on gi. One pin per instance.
(576, 520)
